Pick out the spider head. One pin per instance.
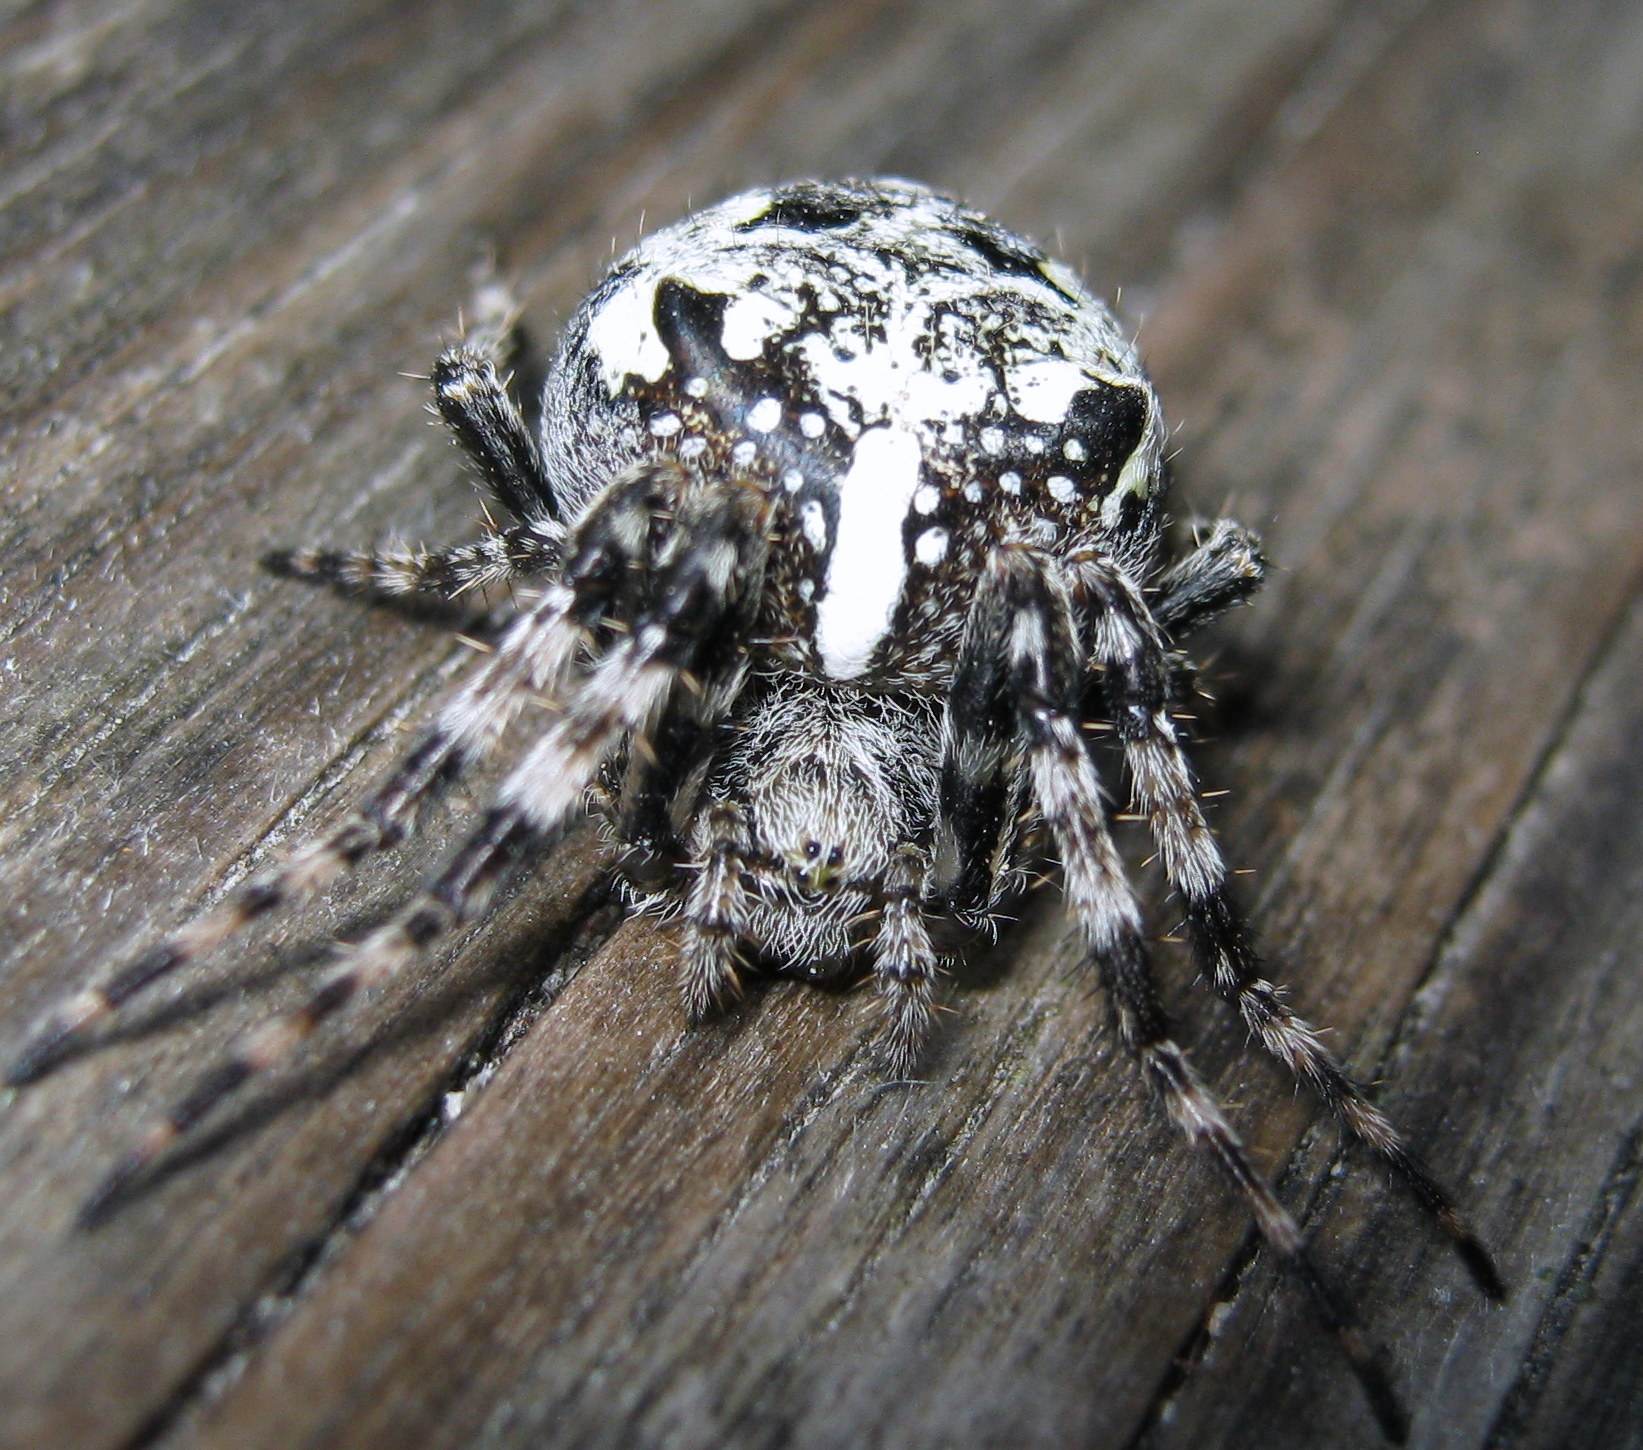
(827, 821)
(823, 780)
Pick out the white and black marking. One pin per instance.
(966, 362)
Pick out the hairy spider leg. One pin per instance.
(517, 552)
(905, 963)
(973, 801)
(1132, 658)
(1046, 670)
(488, 427)
(717, 914)
(661, 786)
(530, 659)
(663, 783)
(714, 553)
(484, 422)
(1224, 567)
(975, 812)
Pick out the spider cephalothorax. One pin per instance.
(845, 508)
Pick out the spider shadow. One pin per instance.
(531, 964)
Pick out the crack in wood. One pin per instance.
(1614, 1199)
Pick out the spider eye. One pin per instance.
(812, 849)
(835, 857)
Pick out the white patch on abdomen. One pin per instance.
(869, 566)
(623, 334)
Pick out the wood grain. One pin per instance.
(1386, 260)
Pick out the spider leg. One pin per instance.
(531, 658)
(716, 916)
(974, 801)
(1044, 671)
(714, 556)
(905, 963)
(509, 554)
(484, 422)
(1224, 569)
(1131, 652)
(488, 427)
(663, 783)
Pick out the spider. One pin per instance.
(844, 520)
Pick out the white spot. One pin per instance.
(744, 453)
(696, 387)
(1061, 488)
(750, 321)
(792, 480)
(974, 492)
(764, 415)
(926, 498)
(807, 589)
(930, 548)
(1035, 445)
(665, 425)
(867, 568)
(1043, 391)
(1073, 450)
(1010, 482)
(812, 424)
(623, 333)
(692, 446)
(1046, 531)
(992, 440)
(814, 520)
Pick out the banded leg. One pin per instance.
(716, 554)
(531, 659)
(1044, 673)
(451, 898)
(1225, 567)
(497, 558)
(662, 782)
(905, 964)
(1129, 648)
(716, 918)
(474, 404)
(486, 424)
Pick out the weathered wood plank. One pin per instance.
(1526, 1029)
(1417, 359)
(207, 318)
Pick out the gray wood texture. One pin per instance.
(1387, 260)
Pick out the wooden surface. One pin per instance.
(1387, 258)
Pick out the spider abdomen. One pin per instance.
(912, 383)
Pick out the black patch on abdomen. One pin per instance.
(807, 209)
(1005, 254)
